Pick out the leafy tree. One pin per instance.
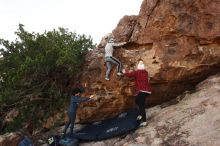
(39, 66)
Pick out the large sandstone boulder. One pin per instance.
(179, 42)
(192, 119)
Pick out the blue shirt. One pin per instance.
(75, 100)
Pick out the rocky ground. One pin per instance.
(191, 119)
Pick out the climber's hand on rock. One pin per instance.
(91, 96)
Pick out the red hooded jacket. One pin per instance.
(141, 81)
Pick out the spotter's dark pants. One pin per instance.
(140, 101)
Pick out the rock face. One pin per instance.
(179, 42)
(192, 119)
(10, 139)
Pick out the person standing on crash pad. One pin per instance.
(142, 87)
(75, 100)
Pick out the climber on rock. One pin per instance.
(109, 59)
(142, 87)
(75, 100)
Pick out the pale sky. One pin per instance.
(89, 17)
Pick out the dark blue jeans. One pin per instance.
(71, 122)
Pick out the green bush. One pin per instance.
(39, 65)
